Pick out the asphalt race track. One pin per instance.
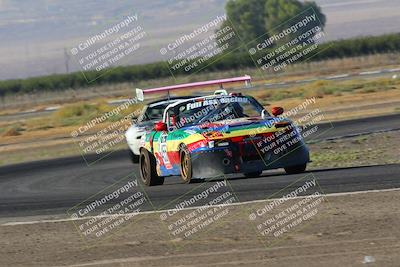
(54, 186)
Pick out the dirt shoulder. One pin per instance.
(371, 149)
(347, 231)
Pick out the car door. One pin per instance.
(163, 150)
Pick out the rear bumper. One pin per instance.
(211, 163)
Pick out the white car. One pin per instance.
(150, 114)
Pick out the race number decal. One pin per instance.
(163, 150)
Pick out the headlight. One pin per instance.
(211, 144)
(140, 130)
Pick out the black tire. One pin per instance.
(296, 169)
(148, 173)
(252, 174)
(186, 165)
(134, 158)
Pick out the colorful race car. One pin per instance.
(207, 137)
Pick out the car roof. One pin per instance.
(169, 100)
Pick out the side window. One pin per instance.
(142, 116)
(249, 110)
(154, 113)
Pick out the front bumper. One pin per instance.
(133, 136)
(209, 163)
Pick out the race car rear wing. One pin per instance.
(140, 93)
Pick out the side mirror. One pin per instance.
(160, 126)
(263, 114)
(276, 111)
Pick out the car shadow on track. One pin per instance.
(268, 174)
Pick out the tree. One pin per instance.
(255, 18)
(282, 14)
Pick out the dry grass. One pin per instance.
(304, 70)
(372, 149)
(321, 89)
(11, 132)
(343, 93)
(70, 115)
(333, 96)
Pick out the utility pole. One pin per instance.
(66, 59)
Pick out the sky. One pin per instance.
(37, 35)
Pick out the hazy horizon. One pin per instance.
(35, 34)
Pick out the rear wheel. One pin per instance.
(148, 171)
(134, 158)
(186, 165)
(252, 174)
(296, 169)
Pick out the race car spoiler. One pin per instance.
(140, 93)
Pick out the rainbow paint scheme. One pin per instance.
(225, 146)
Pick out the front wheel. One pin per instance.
(296, 169)
(186, 165)
(148, 171)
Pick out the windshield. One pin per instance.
(205, 110)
